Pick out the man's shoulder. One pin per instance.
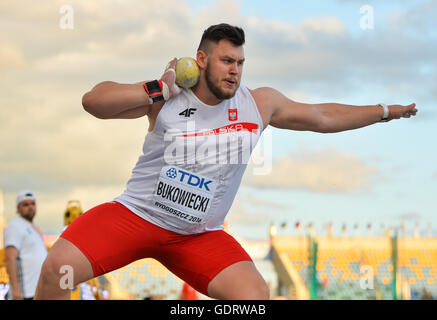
(13, 222)
(265, 97)
(266, 92)
(266, 100)
(16, 223)
(13, 232)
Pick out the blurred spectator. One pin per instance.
(25, 251)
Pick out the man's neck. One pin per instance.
(27, 219)
(205, 95)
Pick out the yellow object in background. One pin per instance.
(73, 210)
(89, 289)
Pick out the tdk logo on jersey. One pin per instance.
(187, 112)
(192, 179)
(172, 173)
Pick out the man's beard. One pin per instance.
(219, 94)
(29, 216)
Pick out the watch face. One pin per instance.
(154, 91)
(153, 86)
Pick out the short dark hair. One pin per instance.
(217, 32)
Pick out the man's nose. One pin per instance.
(234, 68)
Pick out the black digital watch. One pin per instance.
(154, 91)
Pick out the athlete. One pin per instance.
(181, 188)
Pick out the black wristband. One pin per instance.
(154, 90)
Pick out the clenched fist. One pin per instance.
(398, 111)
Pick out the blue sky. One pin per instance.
(296, 11)
(312, 51)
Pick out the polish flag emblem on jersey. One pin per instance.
(233, 114)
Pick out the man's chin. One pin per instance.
(226, 94)
(28, 216)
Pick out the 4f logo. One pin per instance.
(187, 112)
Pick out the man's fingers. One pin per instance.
(411, 109)
(170, 68)
(171, 64)
(169, 77)
(176, 89)
(403, 111)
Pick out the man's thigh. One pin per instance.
(64, 257)
(239, 281)
(111, 236)
(199, 259)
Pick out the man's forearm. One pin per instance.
(340, 117)
(12, 270)
(110, 98)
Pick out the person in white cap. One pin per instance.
(25, 251)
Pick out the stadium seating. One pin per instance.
(147, 278)
(344, 265)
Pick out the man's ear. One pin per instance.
(202, 59)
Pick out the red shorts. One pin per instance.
(111, 236)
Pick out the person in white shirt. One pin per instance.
(25, 250)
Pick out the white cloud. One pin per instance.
(318, 171)
(11, 58)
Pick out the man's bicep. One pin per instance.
(292, 115)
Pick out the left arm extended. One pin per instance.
(325, 117)
(341, 117)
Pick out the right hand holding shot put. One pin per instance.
(169, 77)
(181, 73)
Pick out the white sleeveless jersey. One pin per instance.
(193, 162)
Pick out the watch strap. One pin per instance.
(386, 111)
